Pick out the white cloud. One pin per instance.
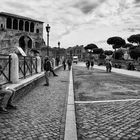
(80, 21)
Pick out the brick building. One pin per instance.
(76, 51)
(20, 31)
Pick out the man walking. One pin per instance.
(47, 68)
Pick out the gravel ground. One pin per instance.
(117, 120)
(40, 114)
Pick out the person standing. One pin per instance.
(108, 65)
(88, 64)
(64, 64)
(69, 62)
(92, 64)
(47, 68)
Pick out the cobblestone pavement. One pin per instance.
(117, 120)
(40, 114)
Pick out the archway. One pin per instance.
(25, 43)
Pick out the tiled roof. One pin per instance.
(18, 16)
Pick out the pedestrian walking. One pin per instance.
(92, 64)
(6, 98)
(88, 64)
(52, 69)
(64, 64)
(108, 65)
(69, 62)
(47, 68)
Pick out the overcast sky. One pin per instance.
(80, 22)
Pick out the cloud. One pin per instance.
(137, 1)
(19, 6)
(80, 21)
(87, 6)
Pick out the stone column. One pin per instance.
(14, 68)
(38, 64)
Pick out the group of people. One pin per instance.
(89, 64)
(108, 64)
(67, 63)
(48, 68)
(7, 94)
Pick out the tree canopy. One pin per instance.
(135, 52)
(134, 38)
(90, 47)
(118, 54)
(127, 45)
(98, 51)
(116, 42)
(108, 52)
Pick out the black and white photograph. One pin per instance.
(70, 70)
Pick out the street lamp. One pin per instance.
(59, 48)
(48, 30)
(58, 44)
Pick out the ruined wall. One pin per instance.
(9, 38)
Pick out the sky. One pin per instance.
(80, 22)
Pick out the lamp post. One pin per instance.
(48, 30)
(59, 49)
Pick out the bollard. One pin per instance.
(14, 70)
(38, 64)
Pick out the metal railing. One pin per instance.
(5, 68)
(27, 66)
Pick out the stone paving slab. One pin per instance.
(107, 105)
(40, 114)
(108, 121)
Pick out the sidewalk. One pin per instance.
(121, 71)
(116, 70)
(40, 114)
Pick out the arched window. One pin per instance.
(21, 25)
(15, 24)
(9, 23)
(27, 26)
(37, 30)
(32, 27)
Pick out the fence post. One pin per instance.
(14, 70)
(38, 64)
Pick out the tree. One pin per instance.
(98, 51)
(108, 52)
(116, 42)
(127, 45)
(135, 53)
(134, 39)
(118, 54)
(91, 47)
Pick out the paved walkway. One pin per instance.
(40, 114)
(121, 71)
(108, 119)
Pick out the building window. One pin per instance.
(27, 26)
(15, 24)
(9, 23)
(32, 27)
(21, 25)
(37, 30)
